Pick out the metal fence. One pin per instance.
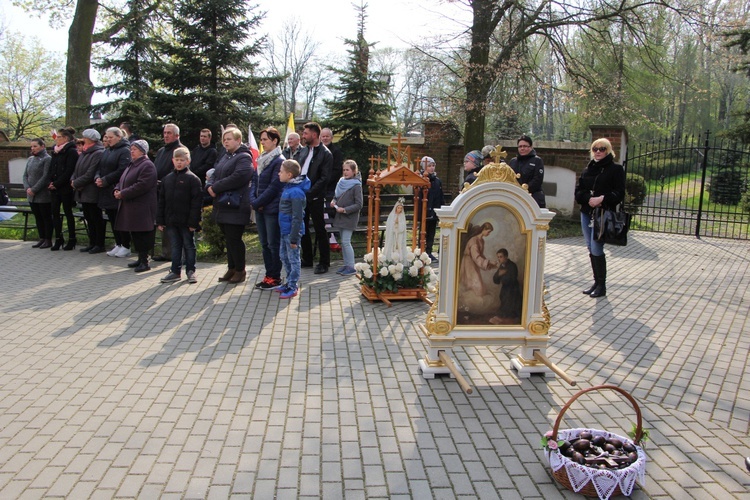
(695, 185)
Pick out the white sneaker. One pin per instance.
(113, 252)
(123, 252)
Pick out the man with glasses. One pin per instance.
(531, 168)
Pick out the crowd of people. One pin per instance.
(113, 178)
(114, 175)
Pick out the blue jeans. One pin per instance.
(269, 234)
(347, 251)
(595, 247)
(181, 238)
(291, 259)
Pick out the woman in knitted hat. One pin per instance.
(472, 165)
(137, 211)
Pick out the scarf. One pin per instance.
(267, 157)
(345, 185)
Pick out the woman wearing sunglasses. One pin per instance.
(602, 183)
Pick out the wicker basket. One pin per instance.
(602, 483)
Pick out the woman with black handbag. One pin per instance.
(602, 184)
(231, 193)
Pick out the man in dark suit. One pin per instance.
(317, 162)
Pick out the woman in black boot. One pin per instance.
(602, 183)
(137, 211)
(61, 167)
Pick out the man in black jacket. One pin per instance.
(316, 161)
(163, 164)
(163, 160)
(203, 156)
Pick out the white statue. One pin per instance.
(394, 247)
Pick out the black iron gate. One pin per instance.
(693, 186)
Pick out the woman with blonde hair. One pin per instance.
(347, 202)
(233, 175)
(602, 184)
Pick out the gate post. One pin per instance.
(704, 167)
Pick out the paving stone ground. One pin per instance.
(113, 385)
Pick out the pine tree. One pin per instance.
(360, 111)
(133, 50)
(207, 77)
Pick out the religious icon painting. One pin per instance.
(491, 269)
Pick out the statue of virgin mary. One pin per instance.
(394, 247)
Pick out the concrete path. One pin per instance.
(113, 385)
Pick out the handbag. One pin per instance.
(611, 226)
(229, 199)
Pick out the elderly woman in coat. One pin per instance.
(233, 175)
(137, 211)
(115, 160)
(86, 192)
(36, 181)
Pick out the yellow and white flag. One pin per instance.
(289, 129)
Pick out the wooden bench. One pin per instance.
(17, 205)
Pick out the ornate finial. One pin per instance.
(498, 154)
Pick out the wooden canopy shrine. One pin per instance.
(397, 173)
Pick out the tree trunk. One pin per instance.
(478, 75)
(78, 86)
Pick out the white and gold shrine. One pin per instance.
(491, 289)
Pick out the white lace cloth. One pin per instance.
(604, 480)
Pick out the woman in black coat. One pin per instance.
(602, 183)
(115, 160)
(233, 173)
(61, 167)
(137, 211)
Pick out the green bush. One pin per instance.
(726, 186)
(635, 190)
(745, 203)
(212, 234)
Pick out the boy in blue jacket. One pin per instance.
(291, 213)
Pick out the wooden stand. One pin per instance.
(397, 173)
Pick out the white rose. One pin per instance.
(410, 256)
(368, 257)
(413, 271)
(419, 264)
(392, 268)
(368, 273)
(425, 258)
(398, 276)
(384, 271)
(400, 267)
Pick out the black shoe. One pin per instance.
(143, 266)
(46, 244)
(96, 249)
(58, 244)
(70, 245)
(37, 244)
(589, 290)
(159, 258)
(599, 291)
(320, 269)
(134, 264)
(306, 263)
